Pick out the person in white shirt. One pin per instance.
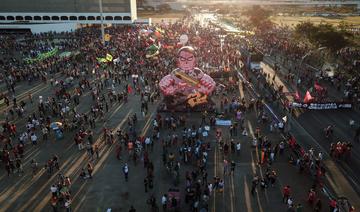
(33, 138)
(238, 148)
(68, 204)
(126, 172)
(164, 201)
(254, 142)
(147, 142)
(54, 190)
(290, 202)
(281, 126)
(244, 132)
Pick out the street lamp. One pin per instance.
(302, 60)
(102, 22)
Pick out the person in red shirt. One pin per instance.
(311, 197)
(286, 193)
(332, 204)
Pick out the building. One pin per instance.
(64, 15)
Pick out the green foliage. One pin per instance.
(323, 35)
(258, 16)
(164, 8)
(305, 29)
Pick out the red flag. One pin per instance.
(318, 87)
(308, 98)
(129, 89)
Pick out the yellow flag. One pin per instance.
(109, 57)
(107, 37)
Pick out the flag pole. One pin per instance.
(102, 22)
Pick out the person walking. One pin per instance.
(132, 209)
(164, 202)
(146, 184)
(311, 197)
(232, 167)
(254, 184)
(33, 138)
(286, 193)
(318, 205)
(68, 204)
(299, 208)
(126, 171)
(238, 148)
(90, 169)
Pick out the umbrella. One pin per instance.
(55, 125)
(69, 79)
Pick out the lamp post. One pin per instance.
(102, 22)
(302, 60)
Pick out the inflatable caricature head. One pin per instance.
(186, 60)
(187, 79)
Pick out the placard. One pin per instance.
(221, 122)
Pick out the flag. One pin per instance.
(107, 37)
(284, 119)
(129, 89)
(109, 57)
(101, 60)
(308, 98)
(318, 87)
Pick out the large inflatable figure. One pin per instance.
(186, 85)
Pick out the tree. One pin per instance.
(324, 35)
(164, 8)
(257, 16)
(140, 3)
(329, 37)
(305, 29)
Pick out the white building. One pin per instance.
(63, 15)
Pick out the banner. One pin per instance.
(321, 106)
(42, 56)
(222, 122)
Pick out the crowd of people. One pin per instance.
(30, 121)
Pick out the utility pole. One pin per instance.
(102, 22)
(302, 60)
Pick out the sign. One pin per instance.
(321, 106)
(221, 122)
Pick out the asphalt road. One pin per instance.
(108, 188)
(308, 126)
